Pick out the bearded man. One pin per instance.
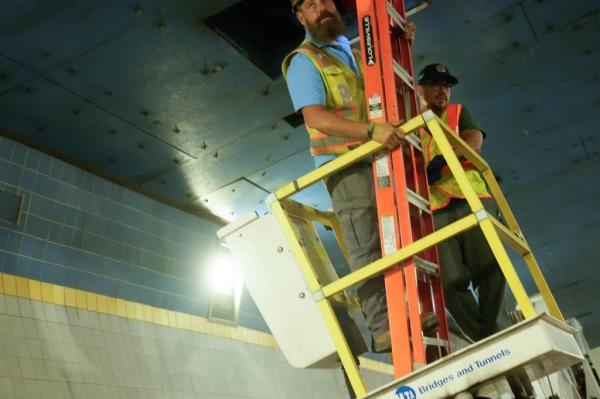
(325, 82)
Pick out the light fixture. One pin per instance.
(223, 274)
(226, 284)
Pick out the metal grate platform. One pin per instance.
(537, 347)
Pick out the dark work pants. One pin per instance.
(464, 259)
(353, 199)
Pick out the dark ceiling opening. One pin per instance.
(266, 31)
(263, 31)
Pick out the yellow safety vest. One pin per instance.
(345, 96)
(446, 188)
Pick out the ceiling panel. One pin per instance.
(182, 83)
(504, 32)
(71, 125)
(42, 34)
(458, 17)
(547, 17)
(12, 74)
(242, 157)
(235, 200)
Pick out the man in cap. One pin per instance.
(325, 82)
(465, 259)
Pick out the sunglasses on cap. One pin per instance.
(297, 6)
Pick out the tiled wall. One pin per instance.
(102, 296)
(82, 231)
(60, 352)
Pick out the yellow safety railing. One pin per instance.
(495, 232)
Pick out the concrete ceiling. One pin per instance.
(147, 93)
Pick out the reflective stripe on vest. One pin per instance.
(345, 96)
(446, 188)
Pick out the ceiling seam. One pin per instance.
(97, 106)
(529, 22)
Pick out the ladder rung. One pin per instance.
(413, 139)
(403, 74)
(435, 342)
(425, 265)
(418, 201)
(395, 15)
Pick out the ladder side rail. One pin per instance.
(393, 47)
(389, 229)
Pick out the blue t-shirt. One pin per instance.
(304, 81)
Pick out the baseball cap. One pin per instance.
(436, 73)
(296, 4)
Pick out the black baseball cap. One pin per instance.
(296, 4)
(433, 73)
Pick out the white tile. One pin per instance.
(44, 389)
(5, 390)
(30, 326)
(50, 311)
(39, 369)
(119, 377)
(35, 348)
(25, 307)
(4, 325)
(104, 322)
(61, 314)
(21, 346)
(54, 350)
(3, 369)
(98, 338)
(31, 389)
(52, 370)
(42, 329)
(115, 325)
(122, 392)
(16, 326)
(66, 390)
(55, 333)
(65, 333)
(3, 304)
(12, 305)
(55, 390)
(79, 390)
(26, 367)
(93, 321)
(37, 309)
(132, 393)
(17, 386)
(7, 345)
(73, 316)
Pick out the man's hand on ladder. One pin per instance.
(388, 135)
(410, 30)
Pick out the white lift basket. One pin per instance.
(274, 280)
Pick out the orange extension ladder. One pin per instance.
(414, 287)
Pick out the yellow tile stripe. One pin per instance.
(65, 296)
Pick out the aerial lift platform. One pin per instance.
(291, 278)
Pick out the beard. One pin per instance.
(325, 31)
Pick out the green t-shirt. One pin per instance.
(468, 121)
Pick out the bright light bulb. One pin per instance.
(223, 274)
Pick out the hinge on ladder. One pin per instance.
(403, 74)
(418, 201)
(426, 266)
(435, 342)
(414, 140)
(395, 15)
